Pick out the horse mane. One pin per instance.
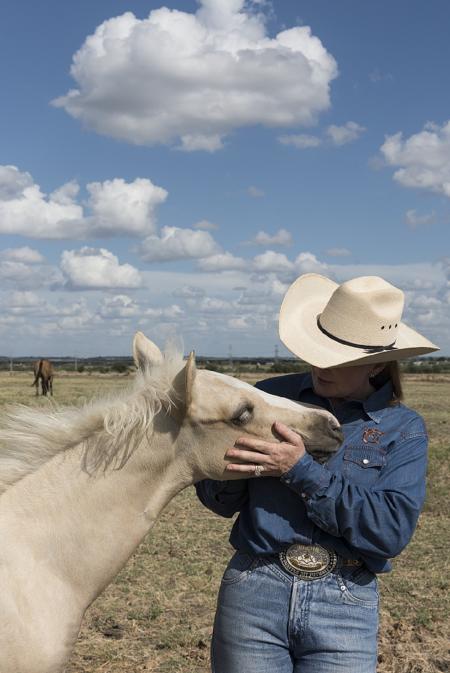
(110, 428)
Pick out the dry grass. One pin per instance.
(157, 615)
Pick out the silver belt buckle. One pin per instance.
(309, 562)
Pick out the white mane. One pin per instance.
(110, 428)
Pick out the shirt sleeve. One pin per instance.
(378, 520)
(223, 497)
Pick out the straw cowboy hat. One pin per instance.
(358, 322)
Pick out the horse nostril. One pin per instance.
(336, 429)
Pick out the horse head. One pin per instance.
(211, 411)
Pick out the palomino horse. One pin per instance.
(43, 370)
(80, 488)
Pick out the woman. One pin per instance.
(300, 593)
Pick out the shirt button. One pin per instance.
(365, 461)
(304, 495)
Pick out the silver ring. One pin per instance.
(258, 470)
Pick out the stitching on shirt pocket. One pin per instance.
(365, 457)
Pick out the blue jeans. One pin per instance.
(269, 621)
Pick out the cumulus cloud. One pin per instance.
(272, 261)
(306, 262)
(341, 135)
(96, 269)
(423, 158)
(281, 237)
(114, 208)
(414, 220)
(223, 262)
(20, 275)
(121, 208)
(191, 79)
(174, 243)
(25, 254)
(119, 306)
(301, 141)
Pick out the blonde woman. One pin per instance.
(300, 593)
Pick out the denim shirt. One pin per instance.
(363, 503)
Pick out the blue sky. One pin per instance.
(209, 156)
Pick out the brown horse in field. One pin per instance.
(43, 369)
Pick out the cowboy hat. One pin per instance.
(357, 322)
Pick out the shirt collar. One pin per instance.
(374, 406)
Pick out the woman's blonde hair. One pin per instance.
(391, 372)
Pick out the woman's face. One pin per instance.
(344, 382)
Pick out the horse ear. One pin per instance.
(146, 354)
(183, 384)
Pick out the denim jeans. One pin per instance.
(269, 621)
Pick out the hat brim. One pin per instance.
(304, 302)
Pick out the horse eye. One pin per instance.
(243, 416)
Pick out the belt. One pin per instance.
(311, 562)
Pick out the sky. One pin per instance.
(172, 168)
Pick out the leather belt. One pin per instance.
(312, 562)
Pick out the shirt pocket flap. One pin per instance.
(365, 457)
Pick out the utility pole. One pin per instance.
(10, 366)
(275, 359)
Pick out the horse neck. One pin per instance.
(87, 526)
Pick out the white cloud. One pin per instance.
(189, 292)
(114, 208)
(121, 208)
(175, 243)
(193, 78)
(306, 262)
(423, 158)
(26, 211)
(414, 220)
(336, 135)
(281, 237)
(206, 225)
(19, 275)
(25, 254)
(119, 306)
(95, 269)
(341, 135)
(255, 192)
(272, 261)
(301, 141)
(338, 252)
(168, 313)
(224, 262)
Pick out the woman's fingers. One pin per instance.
(253, 457)
(287, 434)
(254, 444)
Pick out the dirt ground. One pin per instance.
(157, 615)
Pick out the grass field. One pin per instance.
(157, 615)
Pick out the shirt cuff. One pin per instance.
(307, 477)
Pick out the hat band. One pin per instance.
(368, 349)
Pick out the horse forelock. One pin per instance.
(109, 428)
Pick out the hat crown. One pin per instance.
(364, 311)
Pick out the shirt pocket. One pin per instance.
(363, 464)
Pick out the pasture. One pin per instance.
(157, 615)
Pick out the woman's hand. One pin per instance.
(274, 458)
